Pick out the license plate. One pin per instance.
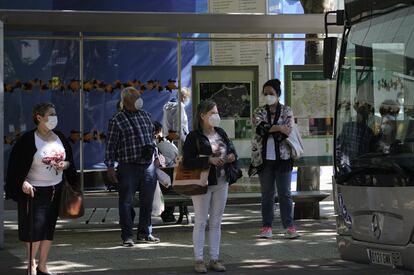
(380, 257)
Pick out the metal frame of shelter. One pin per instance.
(83, 26)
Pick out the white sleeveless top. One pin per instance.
(42, 173)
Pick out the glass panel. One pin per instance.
(236, 111)
(296, 6)
(40, 71)
(375, 124)
(111, 65)
(198, 6)
(288, 53)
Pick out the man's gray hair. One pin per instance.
(125, 93)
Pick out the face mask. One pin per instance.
(139, 103)
(214, 120)
(386, 129)
(186, 102)
(52, 122)
(270, 99)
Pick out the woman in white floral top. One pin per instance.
(271, 158)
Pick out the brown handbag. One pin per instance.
(71, 202)
(190, 182)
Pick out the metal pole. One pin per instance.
(81, 109)
(151, 38)
(1, 135)
(179, 90)
(272, 57)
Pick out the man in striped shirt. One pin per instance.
(131, 144)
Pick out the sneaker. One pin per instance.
(291, 233)
(128, 243)
(200, 267)
(266, 233)
(217, 265)
(148, 239)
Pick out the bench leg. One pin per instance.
(106, 213)
(90, 217)
(306, 210)
(183, 212)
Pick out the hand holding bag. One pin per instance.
(163, 178)
(295, 142)
(71, 202)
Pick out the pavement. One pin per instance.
(95, 248)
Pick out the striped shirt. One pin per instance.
(128, 133)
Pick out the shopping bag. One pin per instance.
(295, 142)
(157, 202)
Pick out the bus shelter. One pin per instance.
(84, 26)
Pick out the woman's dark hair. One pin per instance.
(202, 108)
(41, 109)
(157, 126)
(275, 84)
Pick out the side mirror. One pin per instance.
(329, 54)
(330, 43)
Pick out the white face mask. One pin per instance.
(214, 120)
(139, 103)
(270, 99)
(186, 102)
(386, 129)
(52, 122)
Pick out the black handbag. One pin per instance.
(234, 172)
(71, 202)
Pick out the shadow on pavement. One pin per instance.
(324, 267)
(10, 264)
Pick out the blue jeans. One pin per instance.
(132, 178)
(268, 175)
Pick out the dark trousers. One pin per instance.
(132, 178)
(269, 175)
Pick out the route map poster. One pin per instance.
(235, 91)
(312, 99)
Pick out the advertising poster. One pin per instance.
(312, 99)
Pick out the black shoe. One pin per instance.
(38, 272)
(148, 239)
(169, 218)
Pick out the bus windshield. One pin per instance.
(374, 135)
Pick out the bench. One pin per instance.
(110, 200)
(96, 195)
(107, 199)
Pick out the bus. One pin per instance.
(373, 182)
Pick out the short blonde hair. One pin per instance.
(185, 92)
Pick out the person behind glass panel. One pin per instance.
(170, 121)
(389, 110)
(356, 138)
